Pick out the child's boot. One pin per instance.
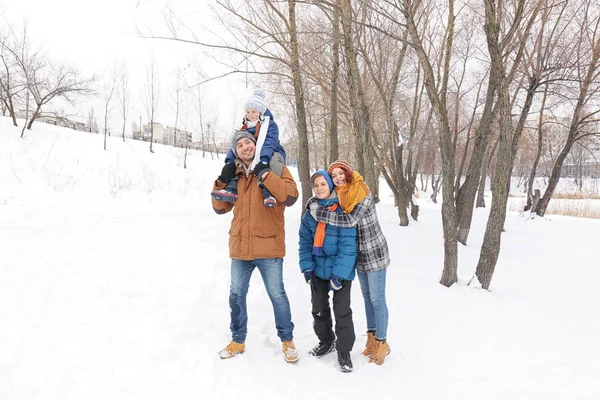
(228, 194)
(269, 200)
(345, 362)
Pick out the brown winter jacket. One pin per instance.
(258, 231)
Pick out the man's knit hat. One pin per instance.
(343, 164)
(240, 135)
(325, 175)
(257, 101)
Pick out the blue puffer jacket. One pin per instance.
(339, 248)
(271, 144)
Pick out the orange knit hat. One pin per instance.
(343, 164)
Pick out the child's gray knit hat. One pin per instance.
(240, 135)
(258, 101)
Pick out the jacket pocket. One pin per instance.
(267, 243)
(235, 230)
(265, 233)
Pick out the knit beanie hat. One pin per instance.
(257, 101)
(325, 175)
(240, 135)
(343, 164)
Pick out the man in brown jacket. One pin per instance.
(257, 240)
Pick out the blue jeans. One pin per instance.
(271, 270)
(372, 286)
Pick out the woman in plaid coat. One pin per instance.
(373, 256)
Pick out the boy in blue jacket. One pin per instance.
(270, 155)
(327, 259)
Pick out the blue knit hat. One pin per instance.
(257, 101)
(325, 175)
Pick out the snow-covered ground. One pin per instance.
(114, 280)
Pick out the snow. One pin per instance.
(114, 281)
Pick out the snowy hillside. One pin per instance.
(114, 280)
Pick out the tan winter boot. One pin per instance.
(370, 344)
(289, 351)
(232, 349)
(380, 351)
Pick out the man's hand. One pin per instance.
(227, 173)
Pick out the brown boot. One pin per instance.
(370, 344)
(289, 351)
(381, 350)
(232, 349)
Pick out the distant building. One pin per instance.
(585, 165)
(165, 135)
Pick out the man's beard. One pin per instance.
(248, 160)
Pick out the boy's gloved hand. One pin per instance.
(335, 283)
(260, 169)
(227, 173)
(308, 276)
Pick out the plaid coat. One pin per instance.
(373, 253)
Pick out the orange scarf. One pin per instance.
(320, 234)
(257, 130)
(349, 195)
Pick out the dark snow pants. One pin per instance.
(323, 324)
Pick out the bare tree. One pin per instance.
(490, 249)
(178, 99)
(123, 97)
(108, 90)
(92, 121)
(437, 93)
(587, 75)
(12, 83)
(391, 159)
(361, 115)
(47, 81)
(186, 109)
(335, 71)
(201, 123)
(151, 96)
(518, 22)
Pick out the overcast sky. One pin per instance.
(97, 35)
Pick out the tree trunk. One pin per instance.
(554, 177)
(480, 203)
(36, 114)
(490, 249)
(538, 153)
(450, 271)
(360, 111)
(484, 173)
(303, 154)
(403, 191)
(461, 166)
(186, 150)
(467, 192)
(335, 56)
(11, 111)
(464, 157)
(436, 187)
